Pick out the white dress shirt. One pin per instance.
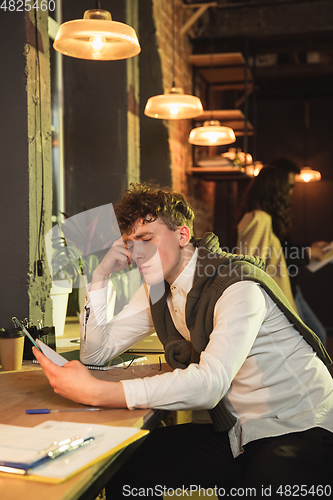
(269, 376)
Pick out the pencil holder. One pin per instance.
(45, 335)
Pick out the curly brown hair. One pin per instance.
(269, 191)
(148, 201)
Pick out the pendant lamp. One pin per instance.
(174, 104)
(97, 37)
(308, 175)
(211, 134)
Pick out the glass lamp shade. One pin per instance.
(211, 134)
(97, 37)
(173, 105)
(308, 175)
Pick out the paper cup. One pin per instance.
(11, 349)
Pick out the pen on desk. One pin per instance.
(63, 447)
(37, 411)
(58, 450)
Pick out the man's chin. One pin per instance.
(151, 279)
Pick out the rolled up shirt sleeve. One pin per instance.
(101, 340)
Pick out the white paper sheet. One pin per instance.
(51, 354)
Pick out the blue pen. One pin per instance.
(39, 411)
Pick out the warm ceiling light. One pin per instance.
(173, 105)
(211, 134)
(308, 175)
(97, 37)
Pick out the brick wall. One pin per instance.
(201, 194)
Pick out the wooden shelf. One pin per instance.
(221, 114)
(239, 127)
(222, 76)
(223, 71)
(223, 59)
(241, 133)
(232, 86)
(233, 118)
(217, 174)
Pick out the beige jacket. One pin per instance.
(256, 237)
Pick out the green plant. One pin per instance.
(66, 260)
(75, 251)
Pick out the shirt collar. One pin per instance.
(184, 281)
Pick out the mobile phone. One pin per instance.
(25, 331)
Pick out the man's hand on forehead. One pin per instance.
(121, 249)
(117, 258)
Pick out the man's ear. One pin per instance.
(185, 236)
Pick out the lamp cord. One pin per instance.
(306, 128)
(39, 101)
(211, 91)
(305, 187)
(173, 45)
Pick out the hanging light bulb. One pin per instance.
(308, 175)
(98, 43)
(97, 37)
(211, 134)
(173, 105)
(174, 109)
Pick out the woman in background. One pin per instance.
(265, 221)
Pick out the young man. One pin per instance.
(236, 347)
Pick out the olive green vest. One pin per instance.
(214, 274)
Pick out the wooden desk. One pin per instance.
(29, 388)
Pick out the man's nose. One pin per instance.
(138, 251)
